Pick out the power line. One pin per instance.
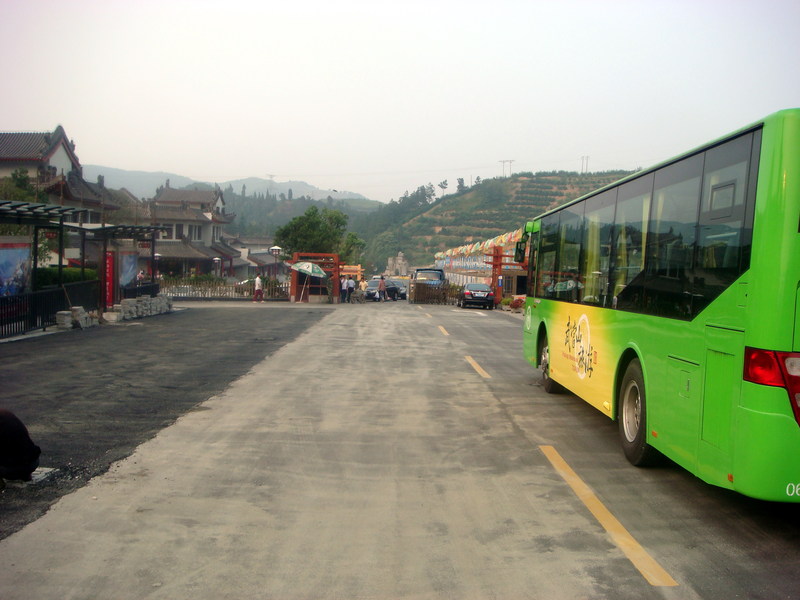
(509, 161)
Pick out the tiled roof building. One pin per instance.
(53, 167)
(193, 238)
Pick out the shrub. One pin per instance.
(46, 276)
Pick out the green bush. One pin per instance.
(46, 276)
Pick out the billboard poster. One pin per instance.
(127, 268)
(15, 267)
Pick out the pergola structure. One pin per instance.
(105, 233)
(39, 216)
(52, 216)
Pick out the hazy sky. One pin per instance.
(380, 97)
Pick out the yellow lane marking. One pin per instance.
(646, 564)
(477, 367)
(443, 330)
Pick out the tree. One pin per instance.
(381, 248)
(315, 231)
(19, 188)
(460, 187)
(352, 249)
(443, 185)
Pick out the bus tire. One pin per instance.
(632, 418)
(550, 386)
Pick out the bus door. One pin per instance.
(530, 239)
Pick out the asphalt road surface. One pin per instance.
(367, 451)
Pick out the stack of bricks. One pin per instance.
(75, 317)
(136, 308)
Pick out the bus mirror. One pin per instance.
(519, 251)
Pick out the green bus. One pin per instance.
(670, 301)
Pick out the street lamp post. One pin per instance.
(216, 266)
(276, 252)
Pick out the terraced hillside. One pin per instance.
(492, 208)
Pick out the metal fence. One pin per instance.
(424, 293)
(37, 310)
(191, 289)
(144, 289)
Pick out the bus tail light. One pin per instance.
(779, 369)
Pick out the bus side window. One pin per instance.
(630, 240)
(720, 246)
(596, 246)
(672, 237)
(568, 285)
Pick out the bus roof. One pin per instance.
(781, 114)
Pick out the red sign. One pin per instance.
(50, 235)
(109, 282)
(144, 245)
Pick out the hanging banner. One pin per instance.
(109, 279)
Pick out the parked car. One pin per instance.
(476, 294)
(392, 291)
(402, 290)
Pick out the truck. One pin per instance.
(428, 286)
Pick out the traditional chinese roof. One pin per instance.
(34, 146)
(74, 189)
(177, 213)
(181, 249)
(225, 250)
(205, 199)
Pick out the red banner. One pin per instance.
(109, 282)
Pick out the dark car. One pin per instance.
(476, 294)
(392, 291)
(402, 290)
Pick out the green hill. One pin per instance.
(489, 208)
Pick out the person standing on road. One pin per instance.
(258, 296)
(382, 289)
(351, 286)
(342, 289)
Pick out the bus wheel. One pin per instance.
(550, 386)
(632, 418)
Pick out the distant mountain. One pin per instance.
(143, 184)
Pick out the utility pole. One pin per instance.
(584, 165)
(503, 162)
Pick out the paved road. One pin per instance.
(90, 397)
(386, 451)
